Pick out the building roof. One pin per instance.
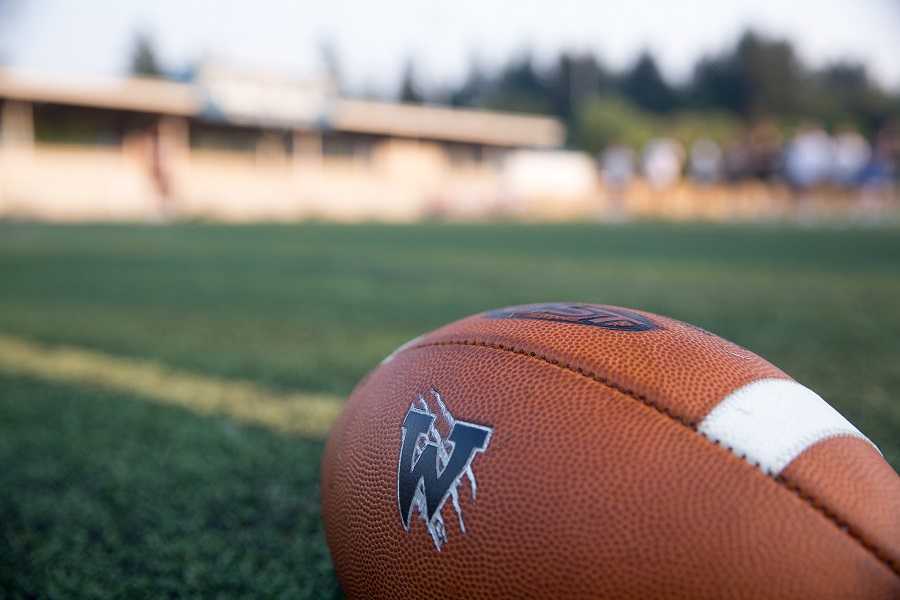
(358, 116)
(449, 124)
(131, 94)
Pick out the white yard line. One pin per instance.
(303, 413)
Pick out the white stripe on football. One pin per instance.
(770, 422)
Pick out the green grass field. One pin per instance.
(114, 484)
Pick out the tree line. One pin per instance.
(757, 79)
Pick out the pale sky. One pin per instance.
(374, 39)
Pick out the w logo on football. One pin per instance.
(432, 465)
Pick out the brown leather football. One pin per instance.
(585, 451)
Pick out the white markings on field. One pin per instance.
(245, 401)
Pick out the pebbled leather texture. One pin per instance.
(596, 483)
(849, 479)
(681, 368)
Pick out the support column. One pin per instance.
(17, 125)
(307, 148)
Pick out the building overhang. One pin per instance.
(300, 107)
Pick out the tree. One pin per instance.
(717, 83)
(603, 121)
(606, 120)
(573, 79)
(758, 77)
(519, 87)
(853, 98)
(409, 87)
(143, 58)
(773, 76)
(644, 85)
(472, 90)
(331, 63)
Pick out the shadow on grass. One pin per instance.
(109, 495)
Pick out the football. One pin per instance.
(586, 451)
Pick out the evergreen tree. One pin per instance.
(472, 90)
(143, 58)
(409, 87)
(758, 77)
(519, 87)
(573, 79)
(330, 62)
(644, 85)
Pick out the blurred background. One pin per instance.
(216, 217)
(401, 112)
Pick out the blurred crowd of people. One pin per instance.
(809, 159)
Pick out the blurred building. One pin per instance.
(248, 147)
(233, 146)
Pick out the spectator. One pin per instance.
(737, 161)
(809, 158)
(881, 169)
(851, 155)
(662, 162)
(763, 145)
(706, 161)
(888, 145)
(617, 167)
(877, 193)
